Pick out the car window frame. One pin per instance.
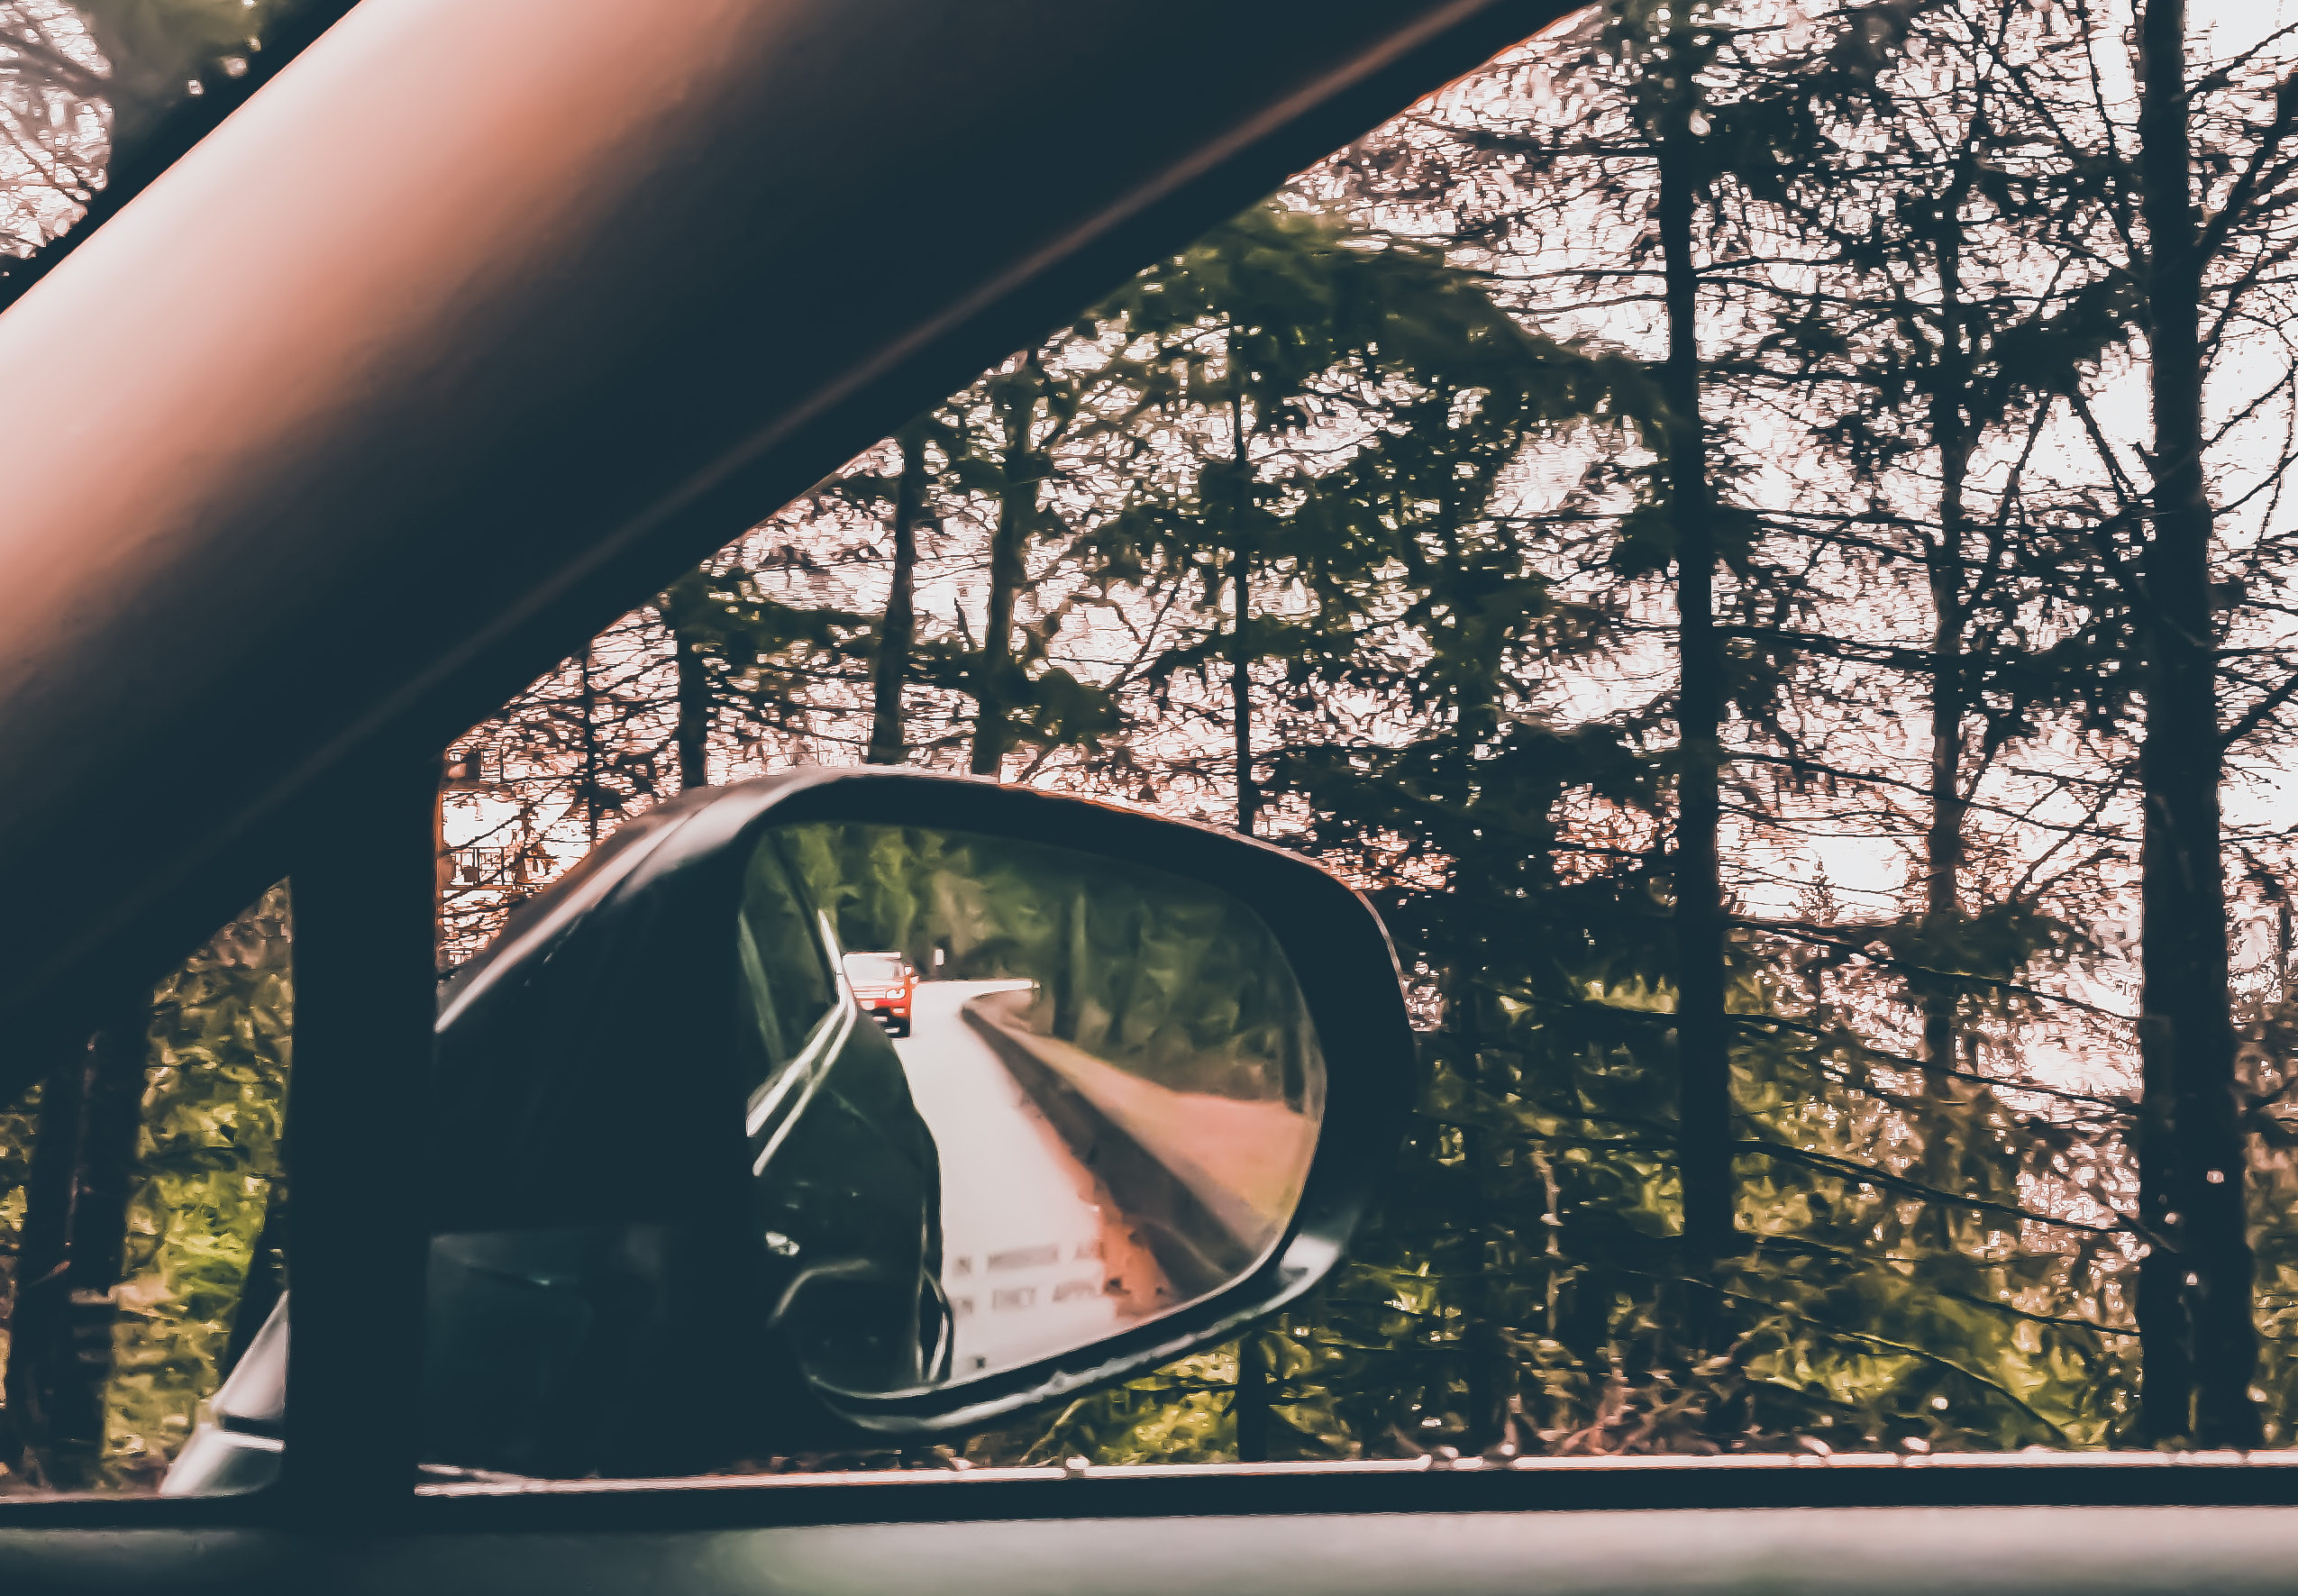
(360, 915)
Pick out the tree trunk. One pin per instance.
(117, 1057)
(1248, 794)
(897, 632)
(1072, 975)
(1253, 1381)
(36, 1310)
(1240, 574)
(994, 697)
(1487, 1370)
(2191, 1148)
(1251, 1406)
(591, 774)
(694, 715)
(1703, 1051)
(59, 1350)
(1943, 562)
(693, 696)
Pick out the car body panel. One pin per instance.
(1878, 1551)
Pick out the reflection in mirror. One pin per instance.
(1111, 1067)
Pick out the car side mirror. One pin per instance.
(717, 1176)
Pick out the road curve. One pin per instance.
(1037, 1257)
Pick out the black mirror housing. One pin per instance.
(607, 1291)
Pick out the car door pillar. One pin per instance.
(365, 904)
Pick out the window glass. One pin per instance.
(1684, 518)
(1115, 1068)
(787, 981)
(144, 1218)
(873, 969)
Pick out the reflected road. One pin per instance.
(1036, 1256)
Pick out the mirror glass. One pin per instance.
(1009, 1099)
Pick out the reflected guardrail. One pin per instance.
(1212, 1181)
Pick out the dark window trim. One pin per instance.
(1544, 1484)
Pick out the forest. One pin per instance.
(1156, 975)
(1756, 535)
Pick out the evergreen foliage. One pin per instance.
(1709, 463)
(205, 1207)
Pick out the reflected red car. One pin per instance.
(883, 984)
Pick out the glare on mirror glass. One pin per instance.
(1097, 1083)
